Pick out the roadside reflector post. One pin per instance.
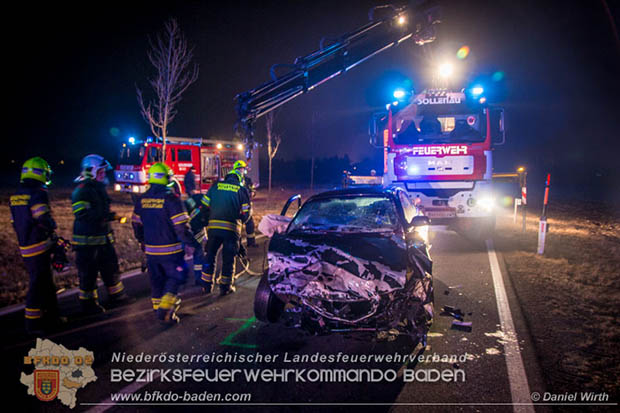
(517, 202)
(523, 185)
(543, 228)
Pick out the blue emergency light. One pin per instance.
(132, 140)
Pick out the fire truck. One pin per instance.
(439, 148)
(212, 159)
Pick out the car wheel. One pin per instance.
(267, 306)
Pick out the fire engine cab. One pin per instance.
(438, 146)
(212, 159)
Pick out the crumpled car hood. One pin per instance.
(337, 267)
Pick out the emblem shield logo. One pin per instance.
(46, 384)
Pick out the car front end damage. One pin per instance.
(353, 282)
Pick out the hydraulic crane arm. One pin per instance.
(334, 58)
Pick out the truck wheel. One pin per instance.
(267, 306)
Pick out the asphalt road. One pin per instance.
(486, 377)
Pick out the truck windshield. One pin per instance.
(439, 128)
(131, 155)
(346, 214)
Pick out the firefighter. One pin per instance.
(198, 221)
(190, 182)
(93, 239)
(160, 224)
(32, 220)
(240, 168)
(229, 208)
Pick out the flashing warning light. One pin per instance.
(446, 70)
(463, 52)
(482, 100)
(132, 140)
(399, 94)
(521, 169)
(218, 146)
(401, 20)
(240, 146)
(477, 90)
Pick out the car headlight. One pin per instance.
(423, 232)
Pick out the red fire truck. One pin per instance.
(439, 147)
(212, 159)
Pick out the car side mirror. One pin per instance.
(420, 221)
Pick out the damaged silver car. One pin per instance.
(353, 259)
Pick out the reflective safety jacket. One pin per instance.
(229, 205)
(32, 219)
(161, 223)
(91, 208)
(198, 216)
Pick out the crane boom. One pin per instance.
(330, 60)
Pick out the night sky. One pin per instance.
(73, 71)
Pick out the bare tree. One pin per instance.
(171, 57)
(272, 138)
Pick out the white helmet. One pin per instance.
(91, 164)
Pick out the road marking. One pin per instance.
(228, 341)
(519, 387)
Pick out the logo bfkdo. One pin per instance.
(46, 384)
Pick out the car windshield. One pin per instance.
(347, 214)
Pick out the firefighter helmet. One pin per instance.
(91, 164)
(240, 164)
(38, 169)
(160, 173)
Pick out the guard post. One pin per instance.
(543, 228)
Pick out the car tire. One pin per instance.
(267, 306)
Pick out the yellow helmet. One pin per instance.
(240, 164)
(160, 173)
(38, 169)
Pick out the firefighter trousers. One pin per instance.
(200, 265)
(41, 297)
(249, 231)
(229, 241)
(167, 274)
(92, 260)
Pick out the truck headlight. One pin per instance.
(487, 203)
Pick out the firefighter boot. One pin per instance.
(207, 288)
(167, 311)
(226, 289)
(169, 316)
